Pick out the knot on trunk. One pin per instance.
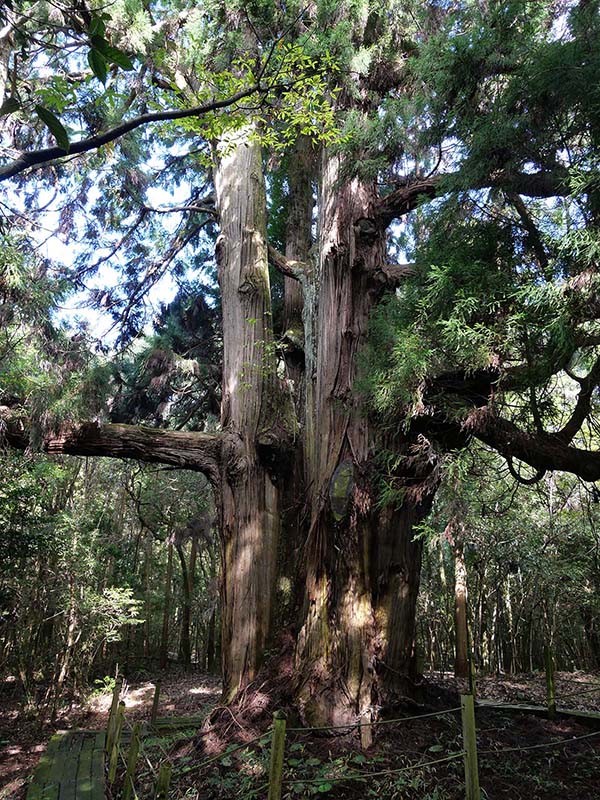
(367, 230)
(277, 433)
(234, 459)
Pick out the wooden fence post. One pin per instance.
(470, 747)
(277, 750)
(550, 689)
(154, 713)
(132, 757)
(164, 779)
(114, 753)
(112, 715)
(472, 677)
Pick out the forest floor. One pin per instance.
(22, 740)
(548, 774)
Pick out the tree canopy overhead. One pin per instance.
(399, 204)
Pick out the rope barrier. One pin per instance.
(359, 723)
(558, 742)
(228, 752)
(362, 775)
(161, 748)
(577, 693)
(144, 752)
(253, 792)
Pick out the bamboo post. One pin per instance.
(472, 676)
(114, 753)
(154, 713)
(164, 779)
(277, 750)
(471, 664)
(470, 746)
(110, 728)
(132, 757)
(550, 689)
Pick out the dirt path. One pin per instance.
(22, 742)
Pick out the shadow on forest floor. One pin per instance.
(22, 741)
(573, 690)
(542, 774)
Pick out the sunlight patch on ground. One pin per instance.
(141, 695)
(210, 690)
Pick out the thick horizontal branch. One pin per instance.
(46, 155)
(583, 405)
(200, 452)
(541, 451)
(293, 269)
(407, 197)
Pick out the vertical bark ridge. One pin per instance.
(254, 413)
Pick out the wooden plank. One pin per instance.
(97, 771)
(585, 717)
(174, 723)
(84, 770)
(42, 771)
(99, 740)
(71, 768)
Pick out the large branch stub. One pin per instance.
(287, 266)
(200, 452)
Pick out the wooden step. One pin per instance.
(71, 768)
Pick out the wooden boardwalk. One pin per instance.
(72, 768)
(586, 717)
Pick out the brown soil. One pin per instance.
(538, 774)
(22, 741)
(508, 769)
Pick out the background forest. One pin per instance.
(299, 356)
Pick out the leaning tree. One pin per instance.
(403, 203)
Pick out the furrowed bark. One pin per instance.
(297, 356)
(397, 573)
(335, 644)
(356, 645)
(200, 452)
(255, 412)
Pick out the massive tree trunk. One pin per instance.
(396, 578)
(362, 567)
(256, 414)
(297, 347)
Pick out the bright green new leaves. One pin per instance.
(292, 97)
